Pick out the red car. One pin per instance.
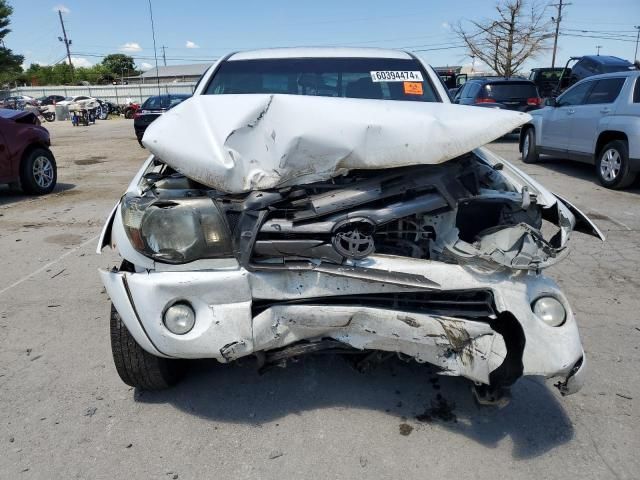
(25, 157)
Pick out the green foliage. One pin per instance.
(117, 63)
(10, 64)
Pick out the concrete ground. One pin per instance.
(64, 413)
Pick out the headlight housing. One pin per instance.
(176, 231)
(549, 310)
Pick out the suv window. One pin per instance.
(605, 91)
(636, 91)
(575, 95)
(473, 90)
(328, 77)
(506, 91)
(152, 103)
(589, 65)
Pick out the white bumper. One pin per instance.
(228, 326)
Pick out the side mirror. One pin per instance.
(551, 102)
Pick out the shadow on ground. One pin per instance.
(535, 421)
(13, 195)
(580, 170)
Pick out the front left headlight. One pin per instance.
(176, 231)
(550, 311)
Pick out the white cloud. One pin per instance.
(191, 44)
(131, 47)
(446, 25)
(61, 8)
(80, 62)
(144, 66)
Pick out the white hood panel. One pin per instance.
(239, 143)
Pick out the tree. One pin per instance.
(10, 64)
(520, 32)
(117, 63)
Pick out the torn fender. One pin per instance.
(239, 143)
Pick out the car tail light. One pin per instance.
(139, 113)
(534, 101)
(485, 100)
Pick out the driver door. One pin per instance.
(556, 124)
(6, 172)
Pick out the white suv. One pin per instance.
(596, 121)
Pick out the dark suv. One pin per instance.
(597, 64)
(152, 108)
(497, 92)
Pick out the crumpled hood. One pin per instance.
(239, 143)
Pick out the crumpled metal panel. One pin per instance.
(458, 347)
(239, 143)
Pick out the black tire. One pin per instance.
(137, 367)
(129, 113)
(49, 116)
(612, 165)
(38, 172)
(531, 154)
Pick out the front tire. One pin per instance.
(137, 367)
(38, 172)
(529, 149)
(612, 166)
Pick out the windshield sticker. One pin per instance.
(412, 88)
(396, 76)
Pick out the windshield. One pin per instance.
(371, 78)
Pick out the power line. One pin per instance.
(596, 36)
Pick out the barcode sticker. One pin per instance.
(396, 76)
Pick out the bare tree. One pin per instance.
(520, 32)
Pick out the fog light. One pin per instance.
(550, 311)
(179, 318)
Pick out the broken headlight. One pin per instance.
(176, 231)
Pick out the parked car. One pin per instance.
(81, 101)
(547, 80)
(25, 157)
(332, 199)
(596, 121)
(17, 102)
(152, 108)
(590, 65)
(50, 99)
(517, 94)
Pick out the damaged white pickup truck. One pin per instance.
(308, 200)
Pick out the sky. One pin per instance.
(199, 31)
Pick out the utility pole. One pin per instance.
(635, 55)
(155, 51)
(66, 42)
(557, 21)
(598, 47)
(164, 55)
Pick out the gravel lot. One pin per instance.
(64, 413)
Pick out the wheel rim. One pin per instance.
(525, 146)
(610, 164)
(43, 172)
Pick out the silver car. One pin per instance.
(596, 121)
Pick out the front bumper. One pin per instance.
(229, 325)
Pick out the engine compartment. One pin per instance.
(464, 211)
